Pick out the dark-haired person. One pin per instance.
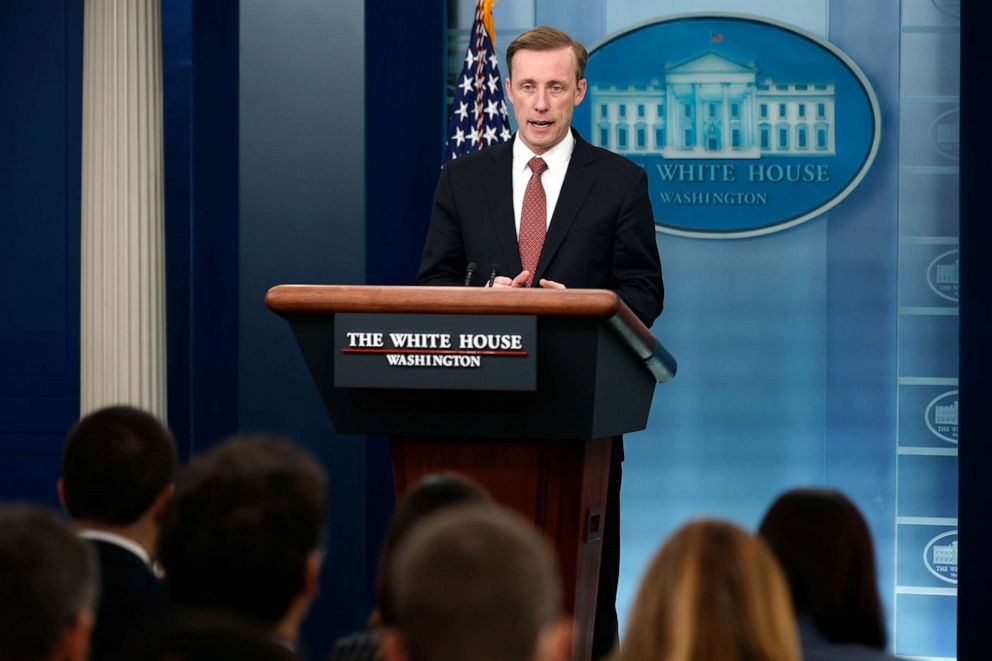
(118, 472)
(427, 496)
(48, 587)
(244, 531)
(554, 212)
(823, 544)
(476, 583)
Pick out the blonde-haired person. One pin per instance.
(713, 592)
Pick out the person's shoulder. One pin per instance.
(478, 159)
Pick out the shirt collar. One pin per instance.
(117, 540)
(556, 157)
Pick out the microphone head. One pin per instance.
(494, 267)
(471, 267)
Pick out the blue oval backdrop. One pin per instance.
(744, 126)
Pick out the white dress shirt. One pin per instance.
(557, 159)
(117, 540)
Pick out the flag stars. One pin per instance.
(474, 136)
(470, 58)
(492, 84)
(505, 134)
(467, 85)
(459, 137)
(490, 135)
(491, 109)
(493, 61)
(462, 111)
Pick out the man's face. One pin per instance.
(544, 93)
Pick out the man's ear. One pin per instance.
(161, 502)
(74, 642)
(508, 88)
(554, 643)
(580, 91)
(60, 490)
(392, 645)
(311, 574)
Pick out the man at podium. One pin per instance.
(549, 210)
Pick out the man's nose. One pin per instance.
(541, 100)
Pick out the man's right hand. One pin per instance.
(503, 282)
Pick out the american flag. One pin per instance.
(478, 113)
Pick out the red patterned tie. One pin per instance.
(533, 218)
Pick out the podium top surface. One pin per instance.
(580, 303)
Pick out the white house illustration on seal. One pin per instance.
(711, 106)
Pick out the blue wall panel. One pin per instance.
(302, 220)
(40, 112)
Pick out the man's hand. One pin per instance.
(503, 282)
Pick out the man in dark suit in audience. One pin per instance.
(476, 583)
(244, 532)
(551, 211)
(48, 587)
(118, 469)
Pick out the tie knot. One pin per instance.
(537, 165)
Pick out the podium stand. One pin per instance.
(532, 422)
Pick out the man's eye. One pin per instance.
(557, 89)
(527, 87)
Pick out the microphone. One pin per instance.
(494, 267)
(469, 272)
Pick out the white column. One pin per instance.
(122, 320)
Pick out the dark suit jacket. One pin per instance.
(130, 598)
(601, 234)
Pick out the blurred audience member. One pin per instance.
(824, 546)
(476, 584)
(48, 587)
(118, 469)
(194, 636)
(712, 593)
(243, 533)
(429, 494)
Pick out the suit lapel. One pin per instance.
(499, 196)
(578, 182)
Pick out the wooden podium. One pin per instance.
(545, 451)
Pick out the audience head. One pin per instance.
(244, 529)
(713, 591)
(477, 583)
(428, 495)
(48, 592)
(825, 549)
(118, 464)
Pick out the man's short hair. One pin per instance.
(544, 38)
(116, 462)
(48, 577)
(427, 496)
(245, 517)
(475, 583)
